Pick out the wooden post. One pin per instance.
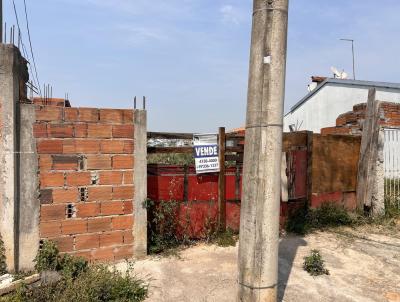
(221, 181)
(309, 166)
(368, 191)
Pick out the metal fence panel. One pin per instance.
(392, 166)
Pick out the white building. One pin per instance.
(332, 97)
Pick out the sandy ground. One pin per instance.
(364, 266)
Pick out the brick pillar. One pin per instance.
(13, 71)
(140, 181)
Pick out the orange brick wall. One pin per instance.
(86, 180)
(351, 122)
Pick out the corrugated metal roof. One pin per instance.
(344, 82)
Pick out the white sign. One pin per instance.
(206, 153)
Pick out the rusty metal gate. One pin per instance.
(392, 166)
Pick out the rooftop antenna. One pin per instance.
(352, 51)
(339, 74)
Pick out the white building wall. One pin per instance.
(322, 109)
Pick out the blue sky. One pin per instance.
(190, 57)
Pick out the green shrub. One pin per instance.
(327, 215)
(47, 258)
(392, 207)
(314, 264)
(162, 226)
(3, 265)
(79, 281)
(225, 239)
(96, 284)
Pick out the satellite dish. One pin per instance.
(339, 75)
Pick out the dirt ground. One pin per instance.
(364, 266)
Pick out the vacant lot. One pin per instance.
(364, 266)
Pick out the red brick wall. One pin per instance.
(86, 180)
(351, 122)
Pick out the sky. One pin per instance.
(190, 57)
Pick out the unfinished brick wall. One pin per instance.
(86, 180)
(351, 122)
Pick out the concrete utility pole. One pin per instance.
(259, 223)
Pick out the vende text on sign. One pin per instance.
(206, 153)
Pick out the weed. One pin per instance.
(314, 264)
(47, 258)
(162, 226)
(327, 215)
(79, 282)
(225, 239)
(3, 266)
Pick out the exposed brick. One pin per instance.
(104, 254)
(124, 192)
(110, 178)
(122, 162)
(70, 114)
(50, 146)
(128, 207)
(128, 146)
(122, 131)
(83, 254)
(51, 179)
(69, 146)
(46, 196)
(81, 130)
(78, 179)
(87, 241)
(102, 224)
(60, 131)
(128, 115)
(64, 244)
(87, 146)
(88, 114)
(40, 130)
(111, 115)
(99, 162)
(52, 212)
(122, 222)
(99, 131)
(62, 162)
(112, 146)
(99, 193)
(45, 163)
(112, 208)
(69, 195)
(123, 252)
(128, 177)
(50, 229)
(128, 237)
(76, 226)
(87, 209)
(47, 113)
(111, 238)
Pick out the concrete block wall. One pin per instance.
(86, 165)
